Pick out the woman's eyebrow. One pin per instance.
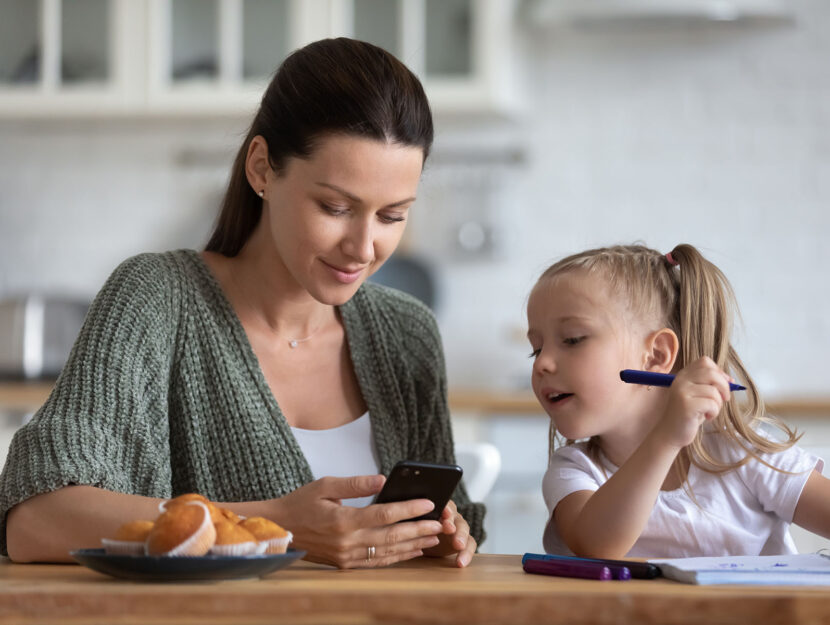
(356, 199)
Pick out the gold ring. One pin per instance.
(370, 552)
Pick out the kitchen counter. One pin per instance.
(28, 396)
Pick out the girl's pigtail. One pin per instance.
(705, 303)
(705, 311)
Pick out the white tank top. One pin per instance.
(343, 451)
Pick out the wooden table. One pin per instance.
(492, 590)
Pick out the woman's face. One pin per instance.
(336, 217)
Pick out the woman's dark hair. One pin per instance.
(333, 86)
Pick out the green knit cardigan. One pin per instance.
(162, 395)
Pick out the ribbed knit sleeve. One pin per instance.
(105, 423)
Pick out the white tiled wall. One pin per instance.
(714, 135)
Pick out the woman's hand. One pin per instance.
(455, 537)
(697, 394)
(349, 537)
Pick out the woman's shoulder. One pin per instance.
(164, 266)
(150, 283)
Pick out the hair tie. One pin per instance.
(671, 260)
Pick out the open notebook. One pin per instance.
(806, 569)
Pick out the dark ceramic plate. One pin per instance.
(159, 569)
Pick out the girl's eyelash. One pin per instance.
(534, 353)
(573, 340)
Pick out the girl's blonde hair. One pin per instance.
(686, 293)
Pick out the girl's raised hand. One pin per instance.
(697, 394)
(455, 537)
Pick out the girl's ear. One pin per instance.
(662, 348)
(257, 164)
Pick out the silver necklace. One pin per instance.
(292, 343)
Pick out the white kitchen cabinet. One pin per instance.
(461, 49)
(67, 57)
(149, 57)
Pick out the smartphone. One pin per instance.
(421, 480)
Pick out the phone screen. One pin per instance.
(421, 480)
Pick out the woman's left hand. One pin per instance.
(455, 537)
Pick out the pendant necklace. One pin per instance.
(292, 343)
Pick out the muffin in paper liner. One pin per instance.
(123, 547)
(182, 530)
(129, 539)
(233, 540)
(271, 537)
(275, 545)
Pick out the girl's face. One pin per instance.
(581, 342)
(336, 217)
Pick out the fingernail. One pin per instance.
(426, 505)
(434, 541)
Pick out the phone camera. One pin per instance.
(417, 472)
(404, 472)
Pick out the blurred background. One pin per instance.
(561, 125)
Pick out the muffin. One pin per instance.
(233, 540)
(129, 539)
(228, 515)
(271, 538)
(215, 514)
(184, 529)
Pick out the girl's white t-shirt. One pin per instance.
(343, 451)
(746, 511)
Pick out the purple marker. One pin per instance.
(582, 570)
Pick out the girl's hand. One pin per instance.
(455, 537)
(696, 395)
(349, 537)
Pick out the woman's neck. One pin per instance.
(265, 295)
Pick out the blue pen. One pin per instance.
(633, 376)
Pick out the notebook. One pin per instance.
(806, 569)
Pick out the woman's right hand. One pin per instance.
(342, 536)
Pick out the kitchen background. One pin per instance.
(560, 125)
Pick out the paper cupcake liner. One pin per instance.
(123, 547)
(275, 545)
(200, 542)
(236, 549)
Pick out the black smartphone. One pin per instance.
(421, 480)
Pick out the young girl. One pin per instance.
(659, 472)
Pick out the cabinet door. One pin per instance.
(218, 55)
(461, 49)
(60, 55)
(20, 48)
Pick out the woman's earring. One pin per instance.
(261, 194)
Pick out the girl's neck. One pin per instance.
(619, 444)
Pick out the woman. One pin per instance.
(234, 372)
